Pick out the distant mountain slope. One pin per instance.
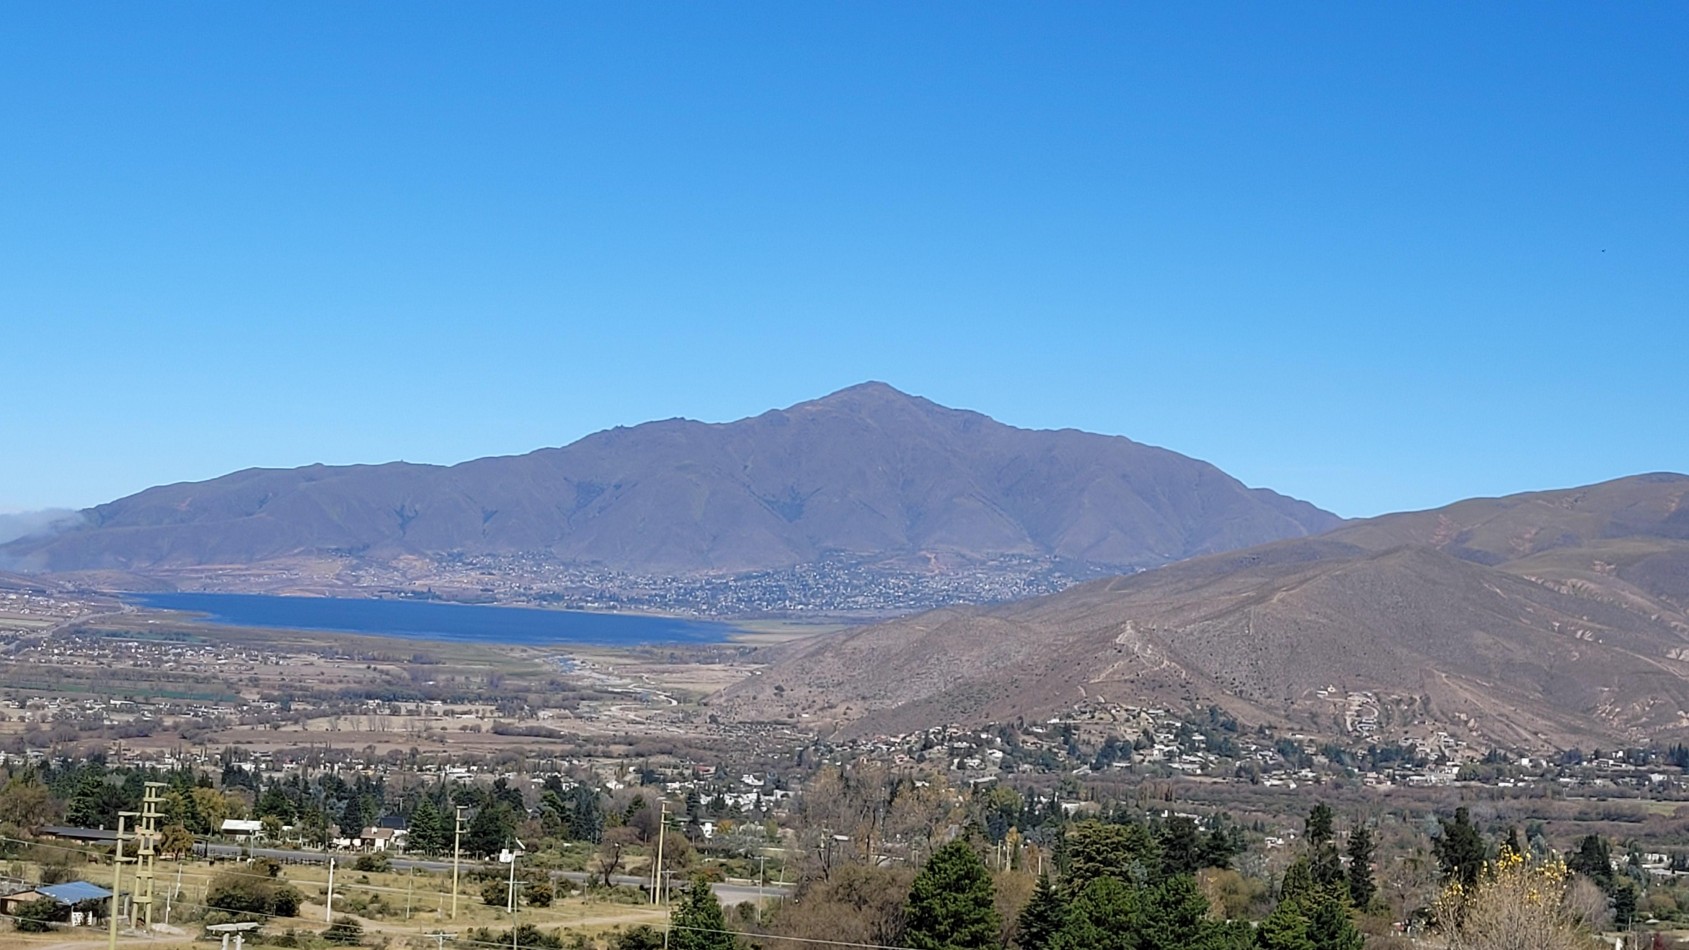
(1583, 637)
(868, 471)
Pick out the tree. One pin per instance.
(1176, 916)
(697, 922)
(1298, 881)
(611, 852)
(175, 840)
(1181, 847)
(1594, 860)
(1324, 866)
(1514, 902)
(491, 830)
(26, 803)
(1106, 915)
(1286, 928)
(1126, 853)
(253, 892)
(1042, 917)
(1362, 889)
(1329, 925)
(38, 916)
(1317, 827)
(1624, 905)
(426, 832)
(1460, 849)
(951, 903)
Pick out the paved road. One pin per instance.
(728, 893)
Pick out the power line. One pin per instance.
(461, 940)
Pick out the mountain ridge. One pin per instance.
(1580, 632)
(867, 470)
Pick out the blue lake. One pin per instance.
(432, 620)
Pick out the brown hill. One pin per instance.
(1580, 634)
(866, 471)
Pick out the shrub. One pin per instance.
(259, 895)
(344, 932)
(38, 916)
(378, 862)
(538, 893)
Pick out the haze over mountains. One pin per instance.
(1545, 618)
(867, 471)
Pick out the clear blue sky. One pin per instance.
(1378, 256)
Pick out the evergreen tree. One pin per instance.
(491, 830)
(1298, 881)
(951, 903)
(1593, 859)
(1362, 889)
(1624, 905)
(1460, 849)
(1324, 865)
(1042, 917)
(426, 832)
(1124, 852)
(1330, 927)
(697, 922)
(586, 815)
(1175, 916)
(1106, 915)
(1286, 928)
(1181, 847)
(1318, 826)
(1513, 843)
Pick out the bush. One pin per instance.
(642, 937)
(259, 895)
(538, 893)
(527, 936)
(38, 916)
(378, 862)
(344, 932)
(495, 893)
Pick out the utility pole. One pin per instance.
(510, 895)
(657, 869)
(457, 854)
(762, 879)
(328, 906)
(116, 877)
(147, 836)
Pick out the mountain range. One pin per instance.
(868, 471)
(1547, 618)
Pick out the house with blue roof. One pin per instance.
(88, 903)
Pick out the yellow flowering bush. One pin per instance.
(1516, 904)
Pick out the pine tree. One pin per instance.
(1362, 889)
(1127, 853)
(1460, 849)
(1042, 917)
(1175, 916)
(1594, 859)
(1298, 881)
(1286, 928)
(697, 922)
(1106, 915)
(1330, 927)
(1318, 827)
(426, 833)
(951, 903)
